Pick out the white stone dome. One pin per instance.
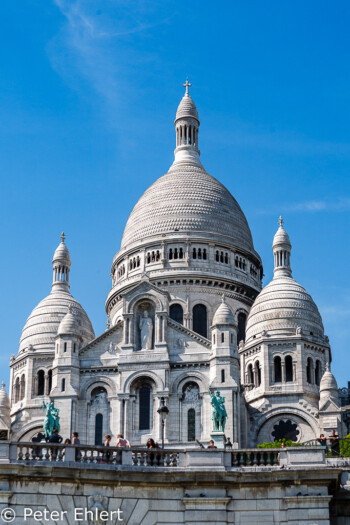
(281, 308)
(41, 327)
(70, 323)
(5, 403)
(190, 201)
(224, 315)
(328, 381)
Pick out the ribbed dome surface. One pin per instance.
(187, 199)
(281, 237)
(187, 108)
(328, 381)
(69, 325)
(42, 324)
(224, 315)
(4, 399)
(282, 307)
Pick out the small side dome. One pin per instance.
(224, 315)
(328, 381)
(69, 324)
(4, 399)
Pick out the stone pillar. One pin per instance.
(283, 371)
(46, 383)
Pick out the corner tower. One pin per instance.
(284, 356)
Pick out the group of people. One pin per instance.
(334, 442)
(56, 438)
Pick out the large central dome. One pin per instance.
(188, 200)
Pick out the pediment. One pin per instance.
(329, 406)
(105, 348)
(182, 340)
(145, 290)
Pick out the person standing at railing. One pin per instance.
(76, 441)
(107, 444)
(334, 439)
(54, 438)
(122, 442)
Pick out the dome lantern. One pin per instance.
(186, 127)
(61, 264)
(281, 251)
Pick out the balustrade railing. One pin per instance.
(155, 457)
(84, 455)
(254, 457)
(40, 452)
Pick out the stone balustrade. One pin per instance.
(115, 457)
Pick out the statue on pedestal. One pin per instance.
(146, 328)
(52, 418)
(219, 411)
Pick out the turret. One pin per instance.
(186, 127)
(281, 250)
(5, 409)
(61, 265)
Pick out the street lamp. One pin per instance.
(163, 411)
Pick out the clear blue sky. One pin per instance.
(88, 94)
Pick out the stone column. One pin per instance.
(46, 385)
(283, 371)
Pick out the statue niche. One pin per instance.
(145, 326)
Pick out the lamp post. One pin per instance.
(163, 411)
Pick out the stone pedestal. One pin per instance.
(219, 439)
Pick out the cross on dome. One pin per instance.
(63, 237)
(187, 85)
(281, 221)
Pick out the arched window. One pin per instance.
(288, 362)
(222, 376)
(191, 425)
(41, 383)
(204, 254)
(200, 320)
(222, 337)
(65, 347)
(257, 373)
(250, 375)
(277, 367)
(144, 408)
(318, 373)
(50, 380)
(98, 429)
(22, 387)
(17, 390)
(176, 313)
(194, 253)
(309, 368)
(63, 385)
(170, 256)
(242, 319)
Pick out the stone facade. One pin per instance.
(187, 259)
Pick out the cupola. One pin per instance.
(61, 265)
(281, 251)
(186, 127)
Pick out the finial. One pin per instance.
(70, 308)
(223, 298)
(281, 221)
(63, 237)
(327, 367)
(187, 85)
(108, 324)
(3, 385)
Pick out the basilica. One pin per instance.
(187, 316)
